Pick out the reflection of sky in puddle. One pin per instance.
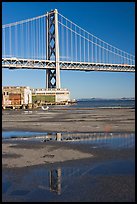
(111, 140)
(9, 134)
(63, 183)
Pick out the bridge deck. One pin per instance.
(15, 63)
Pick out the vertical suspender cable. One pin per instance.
(25, 39)
(114, 56)
(107, 55)
(37, 32)
(3, 42)
(71, 43)
(88, 47)
(96, 50)
(44, 37)
(99, 56)
(84, 47)
(10, 40)
(39, 37)
(16, 41)
(67, 39)
(102, 57)
(101, 52)
(61, 37)
(75, 45)
(120, 58)
(80, 45)
(128, 61)
(92, 47)
(36, 44)
(60, 33)
(28, 42)
(31, 34)
(63, 49)
(21, 40)
(36, 40)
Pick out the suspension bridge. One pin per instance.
(53, 43)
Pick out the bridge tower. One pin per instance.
(52, 52)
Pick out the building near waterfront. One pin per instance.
(26, 97)
(16, 97)
(50, 95)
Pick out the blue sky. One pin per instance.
(113, 22)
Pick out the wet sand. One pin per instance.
(67, 120)
(30, 153)
(16, 153)
(21, 159)
(107, 175)
(71, 120)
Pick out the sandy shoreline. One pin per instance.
(71, 120)
(24, 153)
(107, 174)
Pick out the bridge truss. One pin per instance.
(13, 63)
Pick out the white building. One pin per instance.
(60, 95)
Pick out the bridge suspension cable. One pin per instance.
(23, 21)
(26, 39)
(85, 47)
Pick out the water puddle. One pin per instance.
(110, 140)
(20, 134)
(107, 180)
(69, 183)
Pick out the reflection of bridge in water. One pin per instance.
(60, 179)
(105, 138)
(59, 175)
(55, 180)
(108, 139)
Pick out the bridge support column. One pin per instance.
(53, 75)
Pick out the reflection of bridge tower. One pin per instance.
(53, 75)
(55, 180)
